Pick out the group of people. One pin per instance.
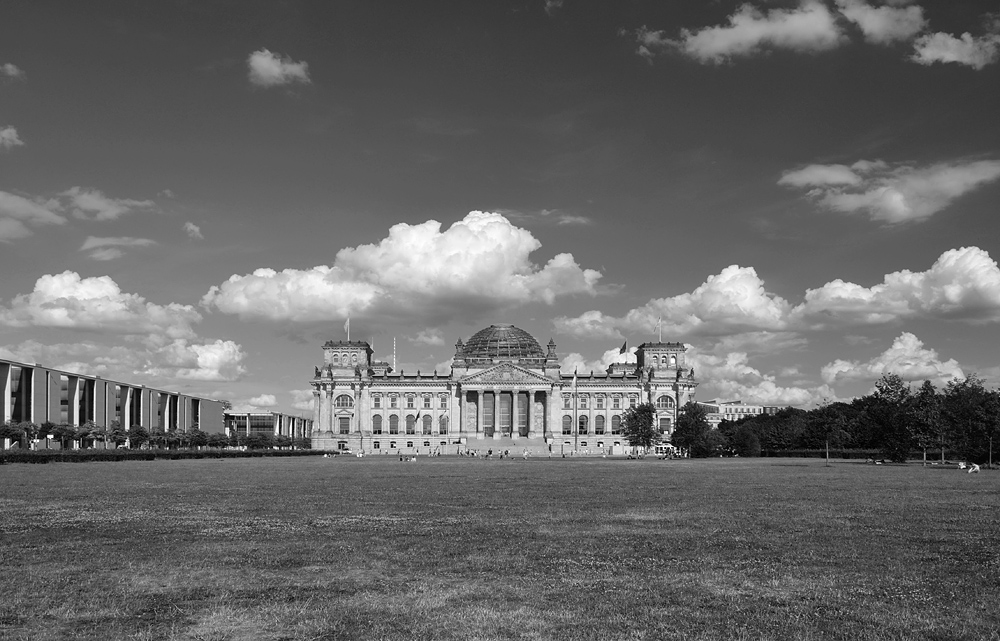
(971, 468)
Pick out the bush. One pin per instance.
(90, 456)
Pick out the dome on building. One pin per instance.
(502, 342)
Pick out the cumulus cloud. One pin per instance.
(551, 6)
(975, 52)
(96, 304)
(963, 284)
(428, 336)
(268, 69)
(107, 248)
(193, 231)
(885, 24)
(892, 193)
(11, 71)
(302, 399)
(264, 400)
(149, 361)
(810, 27)
(731, 301)
(478, 265)
(17, 212)
(907, 358)
(9, 138)
(575, 362)
(732, 376)
(91, 204)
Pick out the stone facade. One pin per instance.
(503, 392)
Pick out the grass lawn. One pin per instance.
(455, 548)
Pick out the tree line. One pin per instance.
(138, 437)
(962, 420)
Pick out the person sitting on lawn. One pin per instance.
(974, 468)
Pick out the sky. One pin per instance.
(197, 195)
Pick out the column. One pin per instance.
(515, 414)
(480, 434)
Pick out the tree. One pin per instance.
(63, 432)
(744, 442)
(639, 426)
(217, 439)
(197, 438)
(116, 433)
(137, 436)
(890, 413)
(928, 428)
(973, 414)
(692, 427)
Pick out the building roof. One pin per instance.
(502, 342)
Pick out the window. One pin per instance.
(427, 443)
(345, 425)
(664, 403)
(344, 401)
(410, 403)
(567, 425)
(599, 425)
(566, 402)
(583, 401)
(664, 426)
(444, 401)
(411, 425)
(583, 443)
(354, 359)
(427, 402)
(616, 424)
(443, 425)
(336, 359)
(427, 422)
(377, 424)
(632, 401)
(375, 445)
(673, 361)
(616, 403)
(393, 401)
(341, 445)
(394, 425)
(409, 444)
(600, 402)
(392, 445)
(583, 424)
(656, 360)
(377, 401)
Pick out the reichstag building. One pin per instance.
(504, 392)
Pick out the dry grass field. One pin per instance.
(470, 549)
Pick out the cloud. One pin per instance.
(428, 337)
(551, 6)
(732, 376)
(168, 193)
(193, 231)
(9, 138)
(272, 70)
(808, 28)
(975, 52)
(478, 266)
(91, 204)
(96, 304)
(302, 399)
(732, 301)
(963, 284)
(106, 248)
(885, 24)
(160, 363)
(894, 194)
(907, 358)
(264, 400)
(555, 216)
(575, 362)
(11, 71)
(16, 212)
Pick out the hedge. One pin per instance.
(88, 456)
(932, 455)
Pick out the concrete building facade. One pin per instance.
(274, 423)
(503, 392)
(37, 394)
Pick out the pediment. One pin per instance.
(505, 374)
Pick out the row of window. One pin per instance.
(583, 401)
(668, 360)
(583, 425)
(345, 359)
(426, 425)
(345, 401)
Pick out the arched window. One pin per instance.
(599, 425)
(354, 359)
(343, 359)
(583, 425)
(567, 425)
(344, 401)
(336, 359)
(656, 360)
(427, 423)
(616, 424)
(377, 424)
(411, 424)
(394, 425)
(443, 425)
(673, 360)
(664, 403)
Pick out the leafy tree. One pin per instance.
(639, 426)
(973, 413)
(928, 428)
(63, 432)
(282, 441)
(260, 441)
(197, 438)
(217, 439)
(116, 433)
(30, 430)
(692, 426)
(744, 441)
(137, 436)
(890, 414)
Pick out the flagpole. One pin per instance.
(576, 420)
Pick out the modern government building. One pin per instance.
(504, 391)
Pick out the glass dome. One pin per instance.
(504, 343)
